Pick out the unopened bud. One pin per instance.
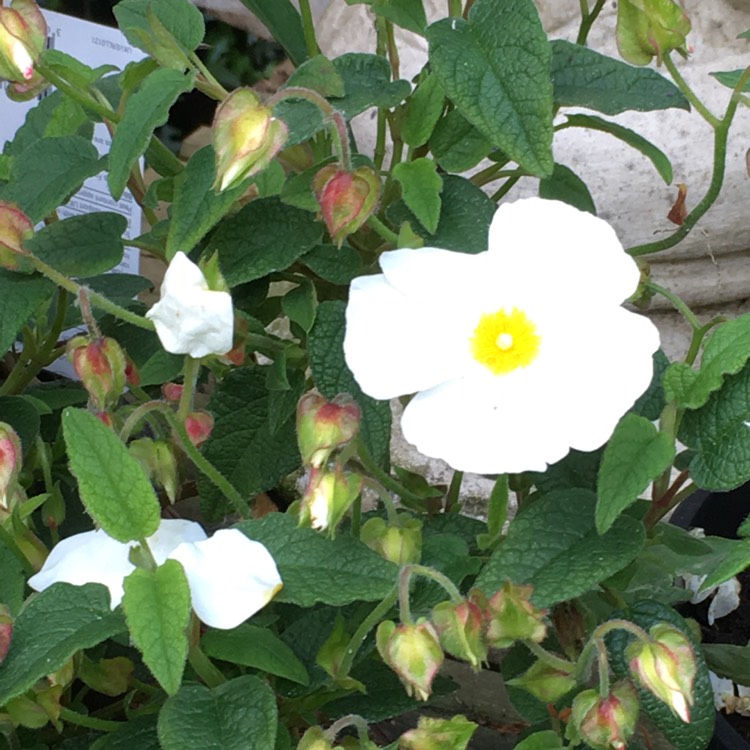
(511, 616)
(315, 739)
(100, 363)
(413, 652)
(460, 627)
(172, 391)
(23, 33)
(10, 462)
(199, 425)
(246, 137)
(546, 682)
(346, 199)
(438, 734)
(6, 631)
(666, 666)
(15, 227)
(323, 426)
(400, 544)
(158, 462)
(650, 28)
(604, 723)
(329, 495)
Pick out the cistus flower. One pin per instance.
(346, 199)
(23, 33)
(101, 365)
(15, 227)
(230, 576)
(438, 734)
(650, 28)
(511, 616)
(246, 137)
(190, 318)
(604, 723)
(10, 462)
(413, 652)
(323, 426)
(517, 354)
(665, 665)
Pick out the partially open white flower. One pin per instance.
(725, 596)
(230, 576)
(190, 318)
(517, 354)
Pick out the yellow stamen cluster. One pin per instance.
(504, 341)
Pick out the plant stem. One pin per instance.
(191, 370)
(453, 491)
(386, 499)
(454, 8)
(440, 578)
(505, 188)
(587, 19)
(90, 722)
(308, 28)
(205, 668)
(677, 303)
(368, 463)
(541, 653)
(388, 235)
(392, 51)
(347, 721)
(137, 416)
(690, 95)
(208, 75)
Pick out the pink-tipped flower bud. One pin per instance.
(346, 199)
(329, 495)
(172, 392)
(10, 463)
(246, 137)
(650, 28)
(546, 682)
(438, 734)
(199, 425)
(604, 723)
(100, 363)
(323, 426)
(158, 462)
(23, 33)
(460, 627)
(511, 616)
(400, 544)
(666, 666)
(15, 228)
(6, 631)
(413, 652)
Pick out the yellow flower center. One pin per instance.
(504, 341)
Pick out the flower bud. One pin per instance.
(545, 682)
(604, 723)
(666, 666)
(328, 496)
(10, 462)
(650, 28)
(172, 391)
(323, 426)
(6, 631)
(346, 199)
(400, 544)
(23, 33)
(438, 734)
(511, 616)
(413, 652)
(199, 425)
(158, 462)
(315, 739)
(460, 627)
(15, 227)
(100, 363)
(246, 137)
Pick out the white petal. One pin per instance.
(91, 557)
(723, 689)
(693, 584)
(231, 577)
(726, 600)
(171, 533)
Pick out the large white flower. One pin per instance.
(230, 576)
(517, 354)
(190, 318)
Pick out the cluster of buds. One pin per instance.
(246, 137)
(23, 34)
(346, 198)
(102, 366)
(604, 723)
(651, 28)
(15, 228)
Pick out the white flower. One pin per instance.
(190, 318)
(230, 576)
(517, 354)
(726, 596)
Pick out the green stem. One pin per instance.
(388, 235)
(497, 508)
(671, 499)
(451, 499)
(90, 722)
(386, 499)
(601, 651)
(505, 188)
(138, 415)
(454, 8)
(690, 95)
(308, 28)
(587, 19)
(352, 720)
(360, 634)
(367, 462)
(440, 578)
(404, 606)
(205, 668)
(392, 51)
(677, 303)
(208, 75)
(191, 370)
(542, 654)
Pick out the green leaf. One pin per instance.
(12, 581)
(733, 563)
(333, 264)
(464, 218)
(236, 715)
(52, 627)
(47, 173)
(652, 401)
(23, 417)
(119, 287)
(421, 186)
(319, 74)
(317, 569)
(112, 485)
(582, 77)
(262, 237)
(84, 245)
(456, 144)
(577, 470)
(299, 304)
(259, 648)
(546, 740)
(20, 296)
(718, 432)
(728, 661)
(197, 208)
(636, 454)
(696, 734)
(725, 353)
(566, 186)
(659, 159)
(495, 68)
(422, 111)
(367, 82)
(284, 23)
(302, 118)
(408, 14)
(573, 558)
(139, 731)
(157, 609)
(730, 79)
(242, 446)
(145, 110)
(332, 376)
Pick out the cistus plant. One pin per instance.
(204, 537)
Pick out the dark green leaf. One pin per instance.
(12, 581)
(299, 305)
(319, 74)
(651, 403)
(20, 296)
(140, 732)
(119, 287)
(284, 23)
(422, 111)
(338, 265)
(730, 79)
(23, 417)
(728, 661)
(456, 144)
(408, 14)
(737, 560)
(566, 186)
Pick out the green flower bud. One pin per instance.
(323, 426)
(100, 363)
(461, 631)
(328, 497)
(438, 734)
(15, 228)
(400, 544)
(650, 28)
(23, 33)
(10, 463)
(511, 616)
(604, 723)
(315, 739)
(545, 682)
(158, 462)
